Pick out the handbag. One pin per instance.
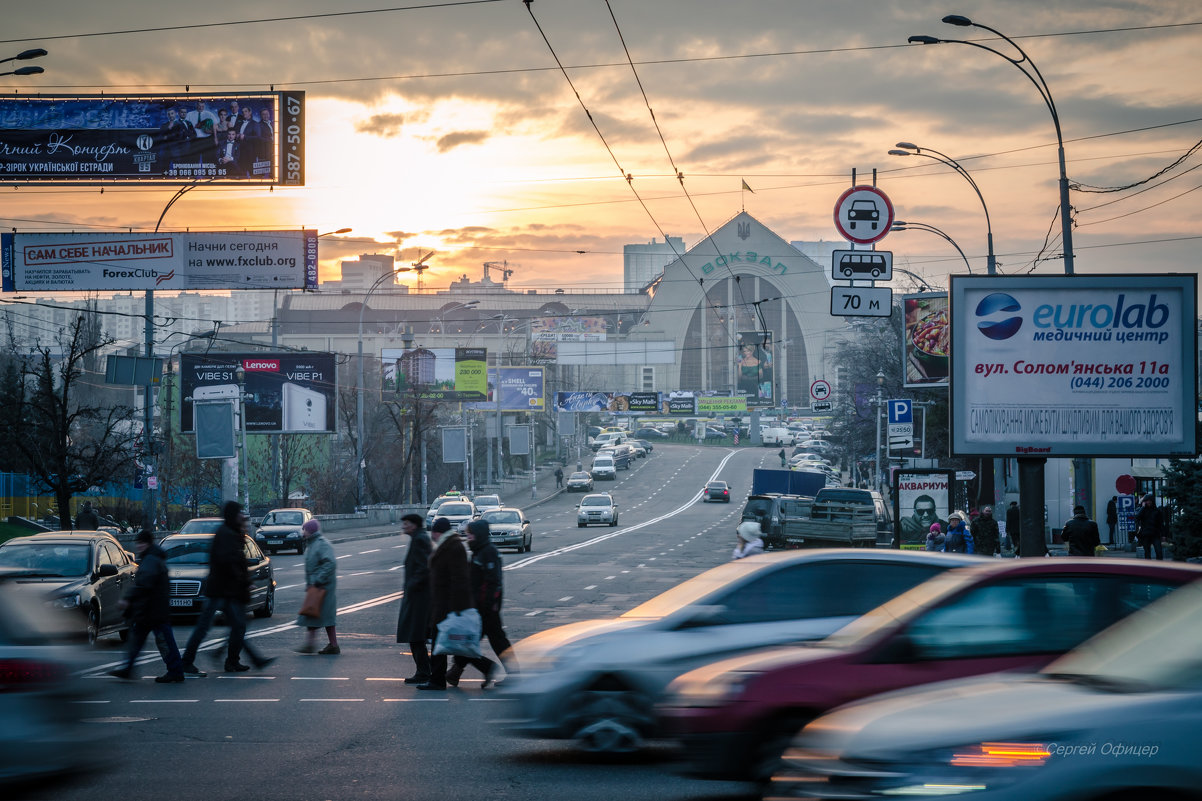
(459, 634)
(314, 597)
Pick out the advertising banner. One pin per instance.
(753, 367)
(681, 403)
(547, 332)
(1066, 366)
(233, 138)
(920, 498)
(710, 406)
(522, 390)
(926, 341)
(285, 392)
(74, 262)
(448, 374)
(616, 402)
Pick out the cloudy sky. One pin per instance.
(448, 125)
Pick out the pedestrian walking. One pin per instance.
(783, 459)
(450, 590)
(985, 538)
(321, 570)
(1150, 527)
(87, 519)
(487, 592)
(1112, 515)
(147, 603)
(1081, 534)
(935, 538)
(748, 540)
(227, 590)
(413, 622)
(1014, 526)
(959, 537)
(558, 477)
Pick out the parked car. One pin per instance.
(819, 446)
(1116, 718)
(716, 491)
(509, 528)
(735, 717)
(485, 503)
(650, 433)
(579, 481)
(599, 508)
(83, 574)
(604, 468)
(776, 436)
(188, 570)
(597, 681)
(281, 528)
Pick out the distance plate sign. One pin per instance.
(861, 301)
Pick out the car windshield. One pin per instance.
(499, 516)
(201, 527)
(693, 590)
(187, 551)
(488, 500)
(595, 500)
(578, 477)
(284, 519)
(845, 496)
(449, 509)
(46, 558)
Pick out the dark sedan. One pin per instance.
(647, 446)
(716, 491)
(579, 482)
(85, 573)
(188, 567)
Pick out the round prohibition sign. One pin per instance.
(863, 214)
(820, 390)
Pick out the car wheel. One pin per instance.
(93, 626)
(609, 718)
(530, 545)
(768, 753)
(268, 608)
(613, 522)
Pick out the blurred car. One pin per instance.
(42, 737)
(281, 528)
(735, 717)
(188, 570)
(646, 445)
(485, 503)
(579, 481)
(1120, 717)
(201, 525)
(509, 528)
(83, 573)
(716, 491)
(650, 433)
(599, 508)
(597, 681)
(458, 511)
(636, 447)
(819, 446)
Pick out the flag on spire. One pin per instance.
(748, 188)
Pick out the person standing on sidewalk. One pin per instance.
(1013, 526)
(450, 590)
(559, 478)
(487, 591)
(321, 570)
(413, 622)
(1150, 527)
(1081, 534)
(1112, 515)
(986, 539)
(148, 604)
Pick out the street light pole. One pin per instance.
(359, 466)
(880, 401)
(24, 55)
(909, 149)
(240, 377)
(903, 225)
(1045, 92)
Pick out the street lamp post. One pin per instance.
(359, 471)
(240, 377)
(880, 401)
(24, 55)
(909, 149)
(903, 225)
(1041, 85)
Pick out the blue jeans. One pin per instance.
(235, 615)
(164, 638)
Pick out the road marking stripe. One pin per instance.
(565, 598)
(321, 678)
(591, 587)
(244, 700)
(335, 700)
(165, 701)
(412, 700)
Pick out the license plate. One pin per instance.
(181, 601)
(275, 542)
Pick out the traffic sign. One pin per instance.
(965, 475)
(901, 410)
(859, 265)
(820, 389)
(820, 406)
(863, 214)
(861, 301)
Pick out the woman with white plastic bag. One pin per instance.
(450, 592)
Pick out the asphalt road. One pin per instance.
(347, 727)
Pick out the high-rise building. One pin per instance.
(642, 263)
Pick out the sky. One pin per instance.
(449, 126)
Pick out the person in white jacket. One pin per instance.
(750, 540)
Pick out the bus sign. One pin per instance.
(862, 265)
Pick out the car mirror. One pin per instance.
(701, 616)
(525, 522)
(106, 570)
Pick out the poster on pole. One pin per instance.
(926, 340)
(754, 367)
(921, 497)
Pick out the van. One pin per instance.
(777, 436)
(607, 438)
(604, 468)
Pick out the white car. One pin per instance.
(459, 513)
(598, 508)
(1120, 717)
(604, 468)
(485, 503)
(597, 681)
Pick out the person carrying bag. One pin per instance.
(450, 591)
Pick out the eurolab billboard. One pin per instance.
(522, 390)
(1074, 366)
(285, 392)
(134, 262)
(154, 138)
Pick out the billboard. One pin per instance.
(680, 403)
(229, 138)
(450, 374)
(547, 332)
(754, 367)
(926, 341)
(1100, 365)
(707, 406)
(285, 392)
(616, 402)
(920, 498)
(75, 262)
(522, 390)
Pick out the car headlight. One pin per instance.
(986, 765)
(714, 691)
(66, 601)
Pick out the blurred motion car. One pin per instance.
(579, 482)
(281, 528)
(83, 573)
(599, 508)
(188, 570)
(716, 491)
(509, 528)
(597, 681)
(650, 433)
(735, 717)
(1120, 717)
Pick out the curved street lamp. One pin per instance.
(359, 387)
(1036, 77)
(903, 225)
(24, 55)
(910, 149)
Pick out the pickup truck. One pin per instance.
(832, 524)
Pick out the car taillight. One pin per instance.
(19, 675)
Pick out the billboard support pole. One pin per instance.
(148, 421)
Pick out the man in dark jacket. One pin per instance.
(1014, 525)
(986, 540)
(1150, 528)
(87, 519)
(1081, 534)
(413, 622)
(1112, 515)
(450, 590)
(227, 589)
(487, 590)
(147, 603)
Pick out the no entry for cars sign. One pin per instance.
(863, 214)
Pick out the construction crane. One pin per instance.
(420, 267)
(503, 266)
